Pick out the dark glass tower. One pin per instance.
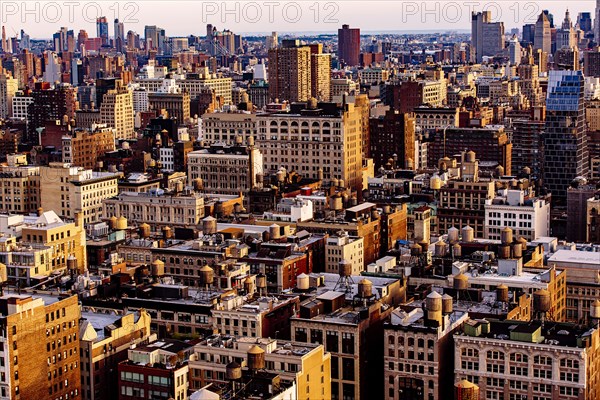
(565, 139)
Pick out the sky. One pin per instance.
(41, 19)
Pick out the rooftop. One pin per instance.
(591, 259)
(550, 333)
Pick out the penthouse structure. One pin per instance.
(48, 247)
(528, 216)
(157, 370)
(343, 249)
(462, 202)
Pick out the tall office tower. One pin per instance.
(28, 61)
(59, 40)
(117, 111)
(528, 33)
(119, 43)
(349, 45)
(103, 85)
(565, 140)
(566, 37)
(70, 45)
(584, 20)
(272, 41)
(25, 43)
(155, 38)
(591, 63)
(133, 40)
(52, 70)
(320, 74)
(76, 72)
(82, 36)
(550, 18)
(487, 37)
(597, 23)
(527, 140)
(102, 29)
(514, 51)
(290, 72)
(4, 43)
(543, 34)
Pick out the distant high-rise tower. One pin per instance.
(529, 33)
(584, 20)
(25, 43)
(565, 140)
(82, 36)
(155, 38)
(514, 50)
(487, 37)
(349, 45)
(597, 23)
(290, 72)
(543, 34)
(119, 35)
(102, 29)
(272, 41)
(320, 66)
(566, 37)
(4, 43)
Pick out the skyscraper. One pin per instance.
(272, 41)
(320, 65)
(117, 111)
(25, 41)
(584, 20)
(102, 29)
(3, 44)
(529, 33)
(119, 35)
(565, 140)
(349, 45)
(566, 36)
(514, 50)
(155, 37)
(290, 72)
(543, 34)
(487, 37)
(597, 22)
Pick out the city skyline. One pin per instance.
(287, 17)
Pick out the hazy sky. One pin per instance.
(179, 18)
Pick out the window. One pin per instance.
(316, 336)
(348, 343)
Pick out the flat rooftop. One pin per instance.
(588, 258)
